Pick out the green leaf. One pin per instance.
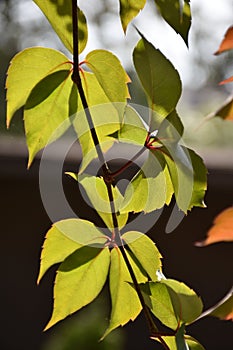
(151, 188)
(177, 14)
(172, 302)
(171, 129)
(188, 176)
(110, 74)
(125, 302)
(79, 280)
(27, 68)
(105, 117)
(129, 9)
(97, 193)
(46, 113)
(133, 130)
(64, 238)
(193, 344)
(59, 14)
(159, 79)
(145, 251)
(176, 342)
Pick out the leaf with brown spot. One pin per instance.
(222, 229)
(227, 42)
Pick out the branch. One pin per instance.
(107, 175)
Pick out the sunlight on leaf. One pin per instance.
(125, 302)
(145, 251)
(172, 302)
(46, 113)
(97, 193)
(159, 78)
(59, 14)
(227, 42)
(129, 9)
(110, 74)
(87, 266)
(222, 229)
(27, 68)
(64, 238)
(178, 16)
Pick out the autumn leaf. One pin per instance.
(226, 81)
(227, 42)
(222, 229)
(225, 111)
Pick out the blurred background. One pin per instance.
(25, 307)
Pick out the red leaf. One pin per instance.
(222, 229)
(227, 42)
(229, 80)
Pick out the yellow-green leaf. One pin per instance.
(159, 79)
(145, 251)
(27, 68)
(64, 238)
(129, 9)
(46, 113)
(125, 302)
(80, 278)
(59, 14)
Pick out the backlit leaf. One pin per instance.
(176, 342)
(188, 176)
(177, 15)
(125, 302)
(193, 344)
(105, 117)
(151, 188)
(64, 238)
(222, 229)
(145, 251)
(110, 74)
(227, 42)
(27, 68)
(129, 9)
(59, 14)
(98, 195)
(79, 280)
(46, 113)
(226, 81)
(159, 78)
(172, 302)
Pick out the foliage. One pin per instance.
(57, 93)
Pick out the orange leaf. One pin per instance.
(226, 81)
(226, 111)
(222, 229)
(227, 42)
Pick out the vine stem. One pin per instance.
(107, 175)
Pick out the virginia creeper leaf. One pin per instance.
(226, 111)
(133, 130)
(64, 238)
(79, 280)
(46, 113)
(151, 188)
(227, 42)
(27, 68)
(110, 74)
(177, 15)
(159, 78)
(222, 229)
(105, 117)
(145, 251)
(172, 302)
(59, 14)
(125, 302)
(176, 342)
(129, 9)
(226, 81)
(188, 176)
(98, 195)
(193, 344)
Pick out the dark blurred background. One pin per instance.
(26, 307)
